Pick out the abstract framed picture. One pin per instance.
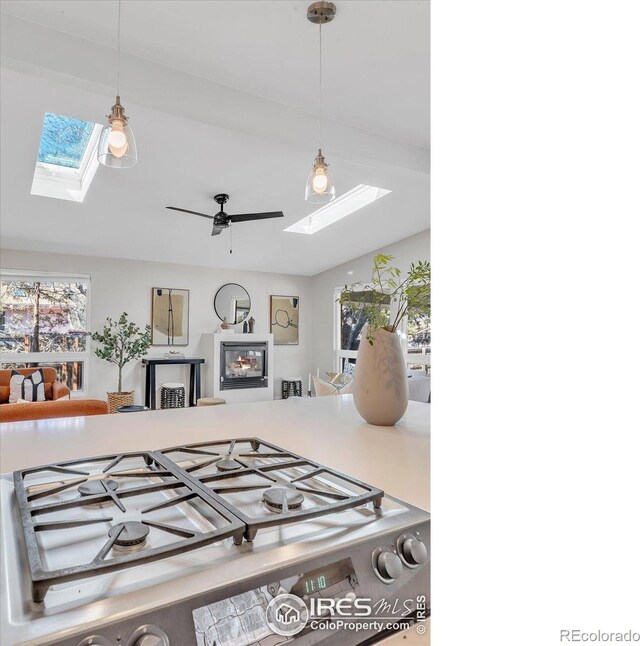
(285, 320)
(169, 316)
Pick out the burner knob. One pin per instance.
(148, 636)
(414, 551)
(150, 640)
(389, 565)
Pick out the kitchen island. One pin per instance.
(328, 430)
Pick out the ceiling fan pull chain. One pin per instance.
(230, 239)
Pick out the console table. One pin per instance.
(150, 378)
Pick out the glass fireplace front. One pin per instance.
(243, 365)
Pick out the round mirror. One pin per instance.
(233, 303)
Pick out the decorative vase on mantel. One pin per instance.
(380, 388)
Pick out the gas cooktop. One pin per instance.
(97, 532)
(134, 506)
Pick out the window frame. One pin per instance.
(63, 182)
(339, 353)
(53, 357)
(415, 359)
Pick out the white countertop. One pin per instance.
(325, 429)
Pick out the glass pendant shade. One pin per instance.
(320, 188)
(117, 146)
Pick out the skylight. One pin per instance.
(63, 140)
(346, 204)
(67, 158)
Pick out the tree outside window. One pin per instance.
(44, 322)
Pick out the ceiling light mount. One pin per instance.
(320, 13)
(117, 112)
(221, 198)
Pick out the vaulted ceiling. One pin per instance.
(223, 97)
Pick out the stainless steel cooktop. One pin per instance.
(98, 544)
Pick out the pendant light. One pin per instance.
(117, 146)
(320, 188)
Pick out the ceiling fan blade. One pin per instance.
(247, 217)
(202, 215)
(216, 231)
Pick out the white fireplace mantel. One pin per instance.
(243, 394)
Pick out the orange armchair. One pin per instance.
(52, 409)
(53, 389)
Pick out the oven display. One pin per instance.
(317, 580)
(314, 584)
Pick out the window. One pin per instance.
(67, 159)
(417, 341)
(44, 322)
(349, 322)
(415, 334)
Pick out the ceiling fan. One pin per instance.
(222, 220)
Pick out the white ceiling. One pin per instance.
(222, 97)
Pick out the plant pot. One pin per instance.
(380, 388)
(116, 400)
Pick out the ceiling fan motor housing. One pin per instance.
(222, 220)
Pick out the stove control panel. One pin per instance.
(386, 575)
(388, 561)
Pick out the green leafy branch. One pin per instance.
(411, 293)
(122, 341)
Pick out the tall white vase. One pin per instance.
(380, 387)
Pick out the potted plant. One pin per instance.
(380, 388)
(122, 341)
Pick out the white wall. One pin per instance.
(125, 285)
(417, 247)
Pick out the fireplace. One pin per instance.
(243, 365)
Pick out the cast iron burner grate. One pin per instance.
(273, 467)
(289, 489)
(162, 477)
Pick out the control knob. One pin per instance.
(412, 550)
(95, 640)
(148, 636)
(386, 564)
(150, 640)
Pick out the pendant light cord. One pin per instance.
(118, 81)
(320, 87)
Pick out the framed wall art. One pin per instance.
(169, 316)
(285, 320)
